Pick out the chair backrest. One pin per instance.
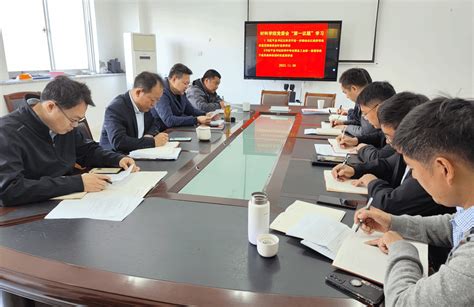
(275, 98)
(85, 130)
(15, 100)
(311, 99)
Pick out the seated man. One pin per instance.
(436, 140)
(389, 180)
(371, 97)
(353, 81)
(202, 93)
(39, 147)
(174, 109)
(128, 123)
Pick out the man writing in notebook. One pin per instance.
(353, 81)
(128, 122)
(389, 180)
(437, 146)
(370, 145)
(39, 146)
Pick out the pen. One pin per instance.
(344, 131)
(108, 180)
(369, 203)
(344, 162)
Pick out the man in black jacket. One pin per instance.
(353, 81)
(39, 147)
(128, 122)
(389, 181)
(202, 93)
(371, 145)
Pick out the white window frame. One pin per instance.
(89, 33)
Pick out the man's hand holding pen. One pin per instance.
(377, 220)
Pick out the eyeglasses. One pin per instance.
(74, 122)
(365, 115)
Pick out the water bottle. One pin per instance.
(258, 216)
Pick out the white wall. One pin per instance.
(113, 18)
(424, 46)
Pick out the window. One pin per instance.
(46, 35)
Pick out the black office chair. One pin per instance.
(85, 130)
(15, 100)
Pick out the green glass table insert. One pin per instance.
(247, 163)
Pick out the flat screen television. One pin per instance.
(292, 50)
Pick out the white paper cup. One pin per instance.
(267, 245)
(246, 106)
(203, 133)
(320, 103)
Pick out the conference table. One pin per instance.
(186, 243)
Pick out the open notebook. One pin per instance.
(333, 185)
(357, 257)
(337, 148)
(328, 131)
(327, 150)
(298, 210)
(337, 117)
(348, 249)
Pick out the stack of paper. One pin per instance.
(323, 131)
(315, 111)
(327, 150)
(320, 234)
(220, 111)
(137, 184)
(337, 148)
(216, 123)
(279, 109)
(333, 185)
(298, 210)
(335, 240)
(122, 175)
(156, 153)
(110, 209)
(114, 203)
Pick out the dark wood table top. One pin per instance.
(172, 250)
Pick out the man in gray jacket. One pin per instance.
(202, 93)
(436, 141)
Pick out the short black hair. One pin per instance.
(211, 74)
(67, 93)
(378, 91)
(395, 108)
(355, 76)
(179, 70)
(147, 80)
(441, 126)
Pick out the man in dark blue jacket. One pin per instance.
(174, 109)
(39, 146)
(128, 122)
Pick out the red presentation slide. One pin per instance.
(291, 50)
